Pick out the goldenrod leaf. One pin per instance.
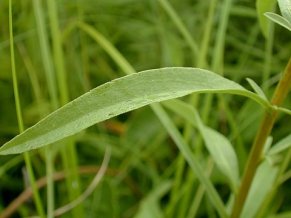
(120, 96)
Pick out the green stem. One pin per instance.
(68, 152)
(261, 137)
(27, 159)
(50, 182)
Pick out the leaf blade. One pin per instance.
(223, 154)
(120, 96)
(280, 146)
(282, 21)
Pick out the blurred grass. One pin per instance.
(144, 158)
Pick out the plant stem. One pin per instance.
(27, 159)
(261, 137)
(68, 152)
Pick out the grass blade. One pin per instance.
(194, 164)
(27, 158)
(218, 145)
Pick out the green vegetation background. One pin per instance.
(146, 177)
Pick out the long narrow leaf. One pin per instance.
(120, 96)
(223, 154)
(282, 21)
(280, 146)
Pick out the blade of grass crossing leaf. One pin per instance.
(68, 151)
(219, 147)
(201, 63)
(50, 78)
(36, 196)
(186, 151)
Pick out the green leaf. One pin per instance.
(217, 144)
(280, 146)
(281, 109)
(282, 21)
(262, 184)
(267, 145)
(257, 88)
(223, 154)
(262, 7)
(285, 8)
(120, 96)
